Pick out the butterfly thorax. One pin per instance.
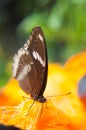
(40, 99)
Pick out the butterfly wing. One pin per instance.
(24, 70)
(39, 54)
(30, 64)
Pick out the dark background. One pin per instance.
(63, 23)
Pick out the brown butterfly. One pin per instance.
(30, 65)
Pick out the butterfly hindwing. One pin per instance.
(24, 71)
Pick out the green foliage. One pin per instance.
(63, 23)
(5, 71)
(64, 26)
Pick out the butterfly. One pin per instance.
(30, 65)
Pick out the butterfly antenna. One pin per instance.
(60, 95)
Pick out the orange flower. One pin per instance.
(76, 66)
(11, 94)
(62, 112)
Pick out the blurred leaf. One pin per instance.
(55, 20)
(78, 1)
(5, 71)
(32, 21)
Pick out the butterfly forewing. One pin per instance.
(39, 54)
(30, 64)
